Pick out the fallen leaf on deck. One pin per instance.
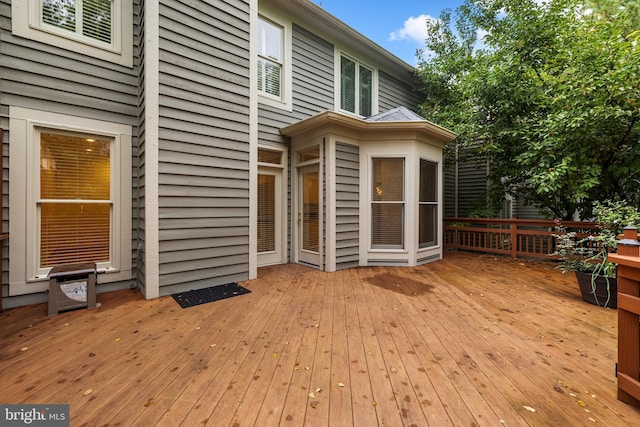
(24, 349)
(529, 408)
(318, 390)
(312, 395)
(117, 339)
(375, 403)
(149, 403)
(314, 404)
(88, 392)
(558, 388)
(581, 403)
(340, 385)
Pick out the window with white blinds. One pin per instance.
(266, 213)
(75, 205)
(356, 87)
(270, 57)
(428, 204)
(387, 203)
(91, 20)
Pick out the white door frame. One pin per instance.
(279, 255)
(302, 255)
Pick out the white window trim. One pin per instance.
(437, 203)
(285, 101)
(27, 23)
(282, 206)
(24, 123)
(337, 96)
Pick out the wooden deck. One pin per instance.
(468, 341)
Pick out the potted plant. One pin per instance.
(588, 257)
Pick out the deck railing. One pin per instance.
(628, 367)
(514, 237)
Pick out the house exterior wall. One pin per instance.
(466, 187)
(394, 92)
(48, 78)
(204, 144)
(347, 205)
(196, 122)
(139, 184)
(313, 76)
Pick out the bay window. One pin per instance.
(428, 204)
(387, 203)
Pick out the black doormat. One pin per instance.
(213, 293)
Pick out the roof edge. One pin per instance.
(355, 123)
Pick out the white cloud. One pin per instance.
(415, 28)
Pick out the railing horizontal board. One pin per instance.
(629, 384)
(515, 237)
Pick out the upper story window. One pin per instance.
(83, 19)
(270, 58)
(97, 28)
(356, 87)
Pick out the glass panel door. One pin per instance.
(269, 229)
(309, 215)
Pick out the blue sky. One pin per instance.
(398, 25)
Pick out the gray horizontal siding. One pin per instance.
(313, 73)
(449, 190)
(347, 205)
(312, 83)
(471, 183)
(394, 92)
(523, 211)
(472, 186)
(204, 144)
(50, 78)
(46, 77)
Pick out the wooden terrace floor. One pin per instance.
(468, 341)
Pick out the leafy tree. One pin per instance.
(550, 93)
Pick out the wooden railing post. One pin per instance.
(628, 372)
(514, 239)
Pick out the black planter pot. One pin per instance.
(599, 294)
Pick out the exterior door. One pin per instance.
(309, 215)
(269, 216)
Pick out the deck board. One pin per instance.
(470, 340)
